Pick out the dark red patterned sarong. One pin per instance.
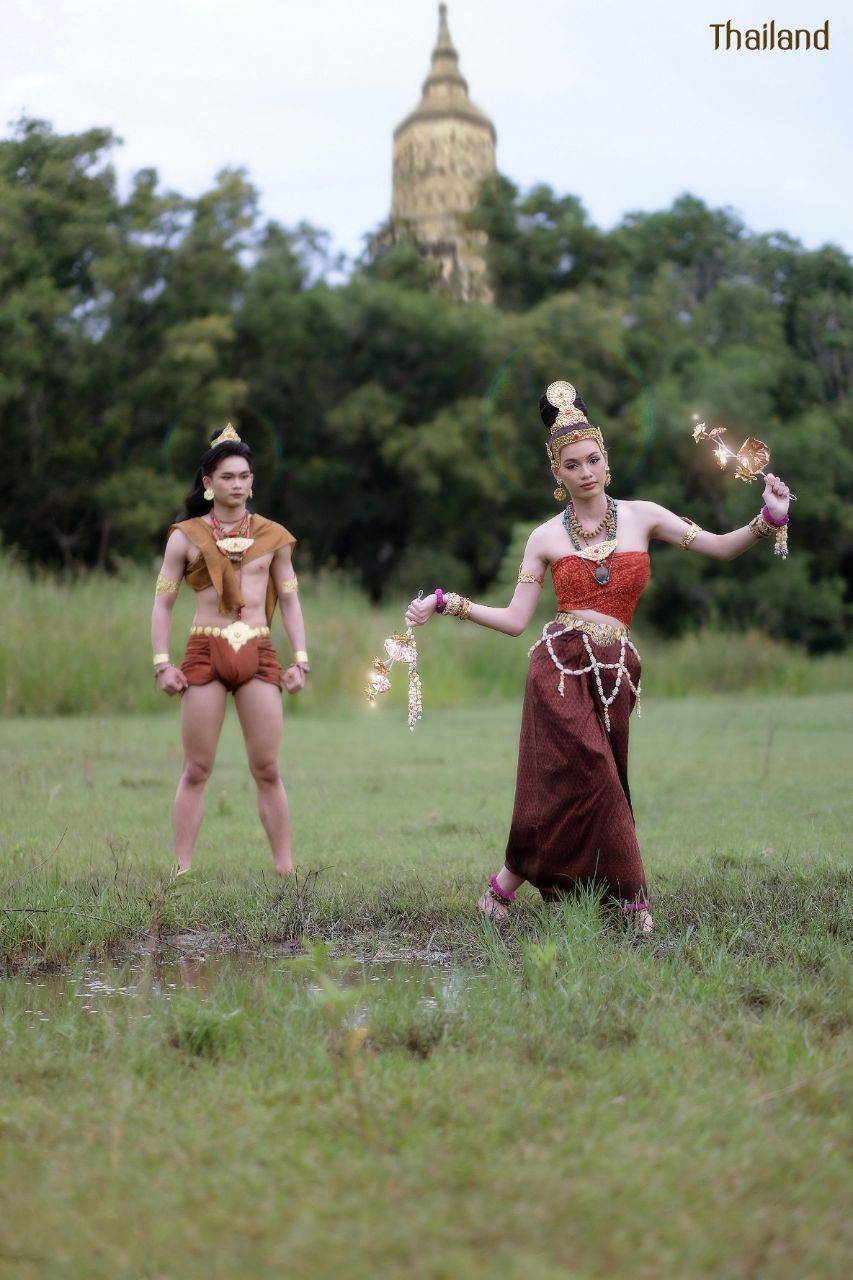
(573, 823)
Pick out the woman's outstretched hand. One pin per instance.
(776, 496)
(420, 611)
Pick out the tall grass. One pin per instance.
(80, 645)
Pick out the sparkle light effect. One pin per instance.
(750, 460)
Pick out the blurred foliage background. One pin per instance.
(395, 431)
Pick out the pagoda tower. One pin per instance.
(442, 152)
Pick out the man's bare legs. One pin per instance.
(202, 713)
(260, 711)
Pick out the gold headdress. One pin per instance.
(228, 433)
(570, 424)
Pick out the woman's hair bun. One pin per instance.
(548, 412)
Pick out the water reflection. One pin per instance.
(102, 986)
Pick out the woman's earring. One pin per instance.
(607, 477)
(208, 495)
(250, 493)
(560, 494)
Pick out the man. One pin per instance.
(239, 565)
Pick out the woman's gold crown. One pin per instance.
(562, 396)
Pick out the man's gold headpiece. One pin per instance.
(570, 424)
(228, 433)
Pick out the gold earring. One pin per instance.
(250, 494)
(607, 477)
(560, 494)
(208, 495)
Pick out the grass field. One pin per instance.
(551, 1101)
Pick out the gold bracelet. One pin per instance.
(300, 655)
(161, 659)
(456, 605)
(288, 585)
(760, 528)
(166, 586)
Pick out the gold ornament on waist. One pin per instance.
(236, 633)
(603, 632)
(227, 433)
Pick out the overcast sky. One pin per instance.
(625, 104)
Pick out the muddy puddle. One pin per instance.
(140, 980)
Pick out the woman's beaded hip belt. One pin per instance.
(601, 633)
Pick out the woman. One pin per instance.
(572, 823)
(239, 566)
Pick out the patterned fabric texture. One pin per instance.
(576, 588)
(572, 823)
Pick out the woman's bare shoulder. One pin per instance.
(543, 532)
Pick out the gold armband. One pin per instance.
(523, 576)
(690, 534)
(288, 585)
(166, 586)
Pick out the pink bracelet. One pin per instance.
(777, 524)
(439, 600)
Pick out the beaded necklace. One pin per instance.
(234, 545)
(572, 525)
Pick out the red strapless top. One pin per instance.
(576, 588)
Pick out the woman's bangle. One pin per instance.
(457, 606)
(299, 656)
(440, 600)
(161, 660)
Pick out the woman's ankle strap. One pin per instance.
(502, 894)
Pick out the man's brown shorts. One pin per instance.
(212, 658)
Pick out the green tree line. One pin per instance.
(396, 432)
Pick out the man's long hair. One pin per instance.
(195, 503)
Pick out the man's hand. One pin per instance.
(171, 680)
(294, 679)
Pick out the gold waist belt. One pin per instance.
(236, 633)
(603, 632)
